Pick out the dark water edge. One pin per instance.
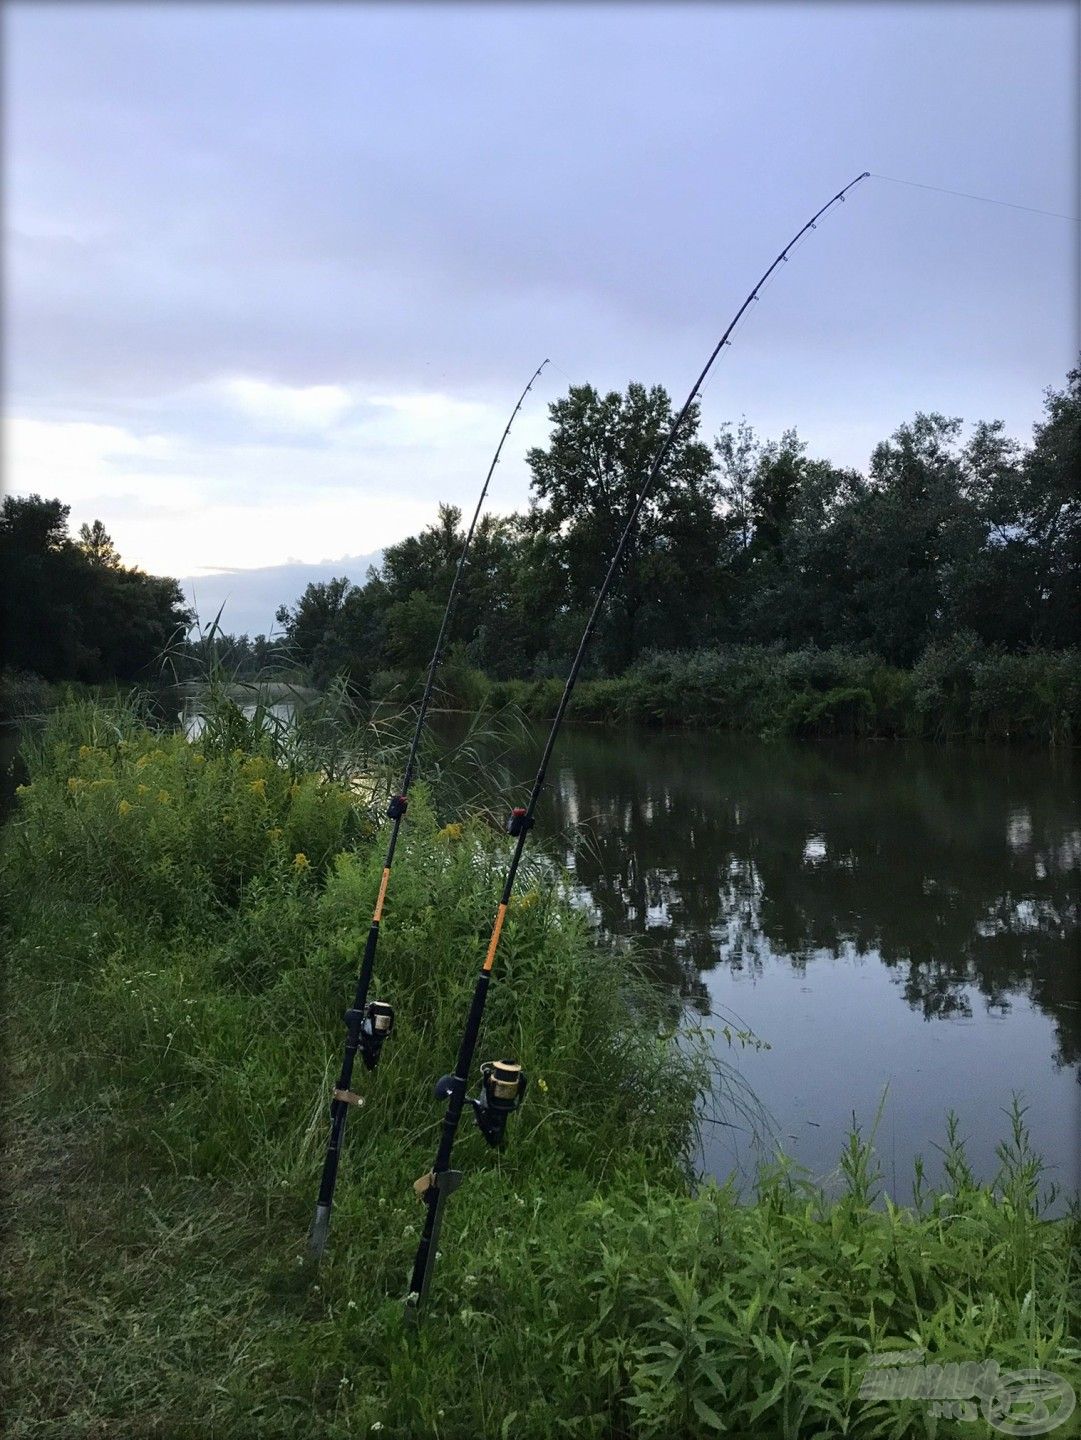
(895, 919)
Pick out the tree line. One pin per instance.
(71, 609)
(745, 542)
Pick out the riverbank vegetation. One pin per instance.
(960, 689)
(932, 594)
(183, 924)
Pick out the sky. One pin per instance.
(274, 274)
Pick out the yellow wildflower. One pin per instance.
(258, 787)
(164, 797)
(143, 789)
(274, 834)
(450, 832)
(198, 759)
(542, 1086)
(527, 901)
(124, 808)
(75, 784)
(85, 751)
(142, 762)
(301, 862)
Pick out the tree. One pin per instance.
(70, 613)
(914, 535)
(42, 589)
(774, 487)
(307, 624)
(1051, 513)
(747, 541)
(738, 454)
(97, 545)
(584, 486)
(412, 626)
(426, 561)
(337, 628)
(800, 588)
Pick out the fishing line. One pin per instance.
(967, 195)
(562, 372)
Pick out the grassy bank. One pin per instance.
(184, 923)
(959, 690)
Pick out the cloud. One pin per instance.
(239, 283)
(420, 420)
(430, 409)
(178, 500)
(249, 598)
(288, 407)
(79, 461)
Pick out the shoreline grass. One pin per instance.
(183, 924)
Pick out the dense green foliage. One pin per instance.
(958, 689)
(743, 543)
(936, 595)
(71, 610)
(183, 925)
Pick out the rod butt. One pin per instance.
(319, 1230)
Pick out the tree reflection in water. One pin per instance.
(956, 868)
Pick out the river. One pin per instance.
(894, 919)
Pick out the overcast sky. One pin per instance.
(275, 274)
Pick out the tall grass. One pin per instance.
(184, 923)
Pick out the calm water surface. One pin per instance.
(889, 917)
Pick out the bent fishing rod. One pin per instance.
(368, 1023)
(503, 1083)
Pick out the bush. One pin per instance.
(23, 694)
(161, 829)
(227, 895)
(959, 689)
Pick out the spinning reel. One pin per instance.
(503, 1086)
(372, 1028)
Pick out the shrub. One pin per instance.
(160, 828)
(958, 689)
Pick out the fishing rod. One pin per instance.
(368, 1023)
(503, 1083)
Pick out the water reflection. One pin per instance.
(958, 870)
(274, 715)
